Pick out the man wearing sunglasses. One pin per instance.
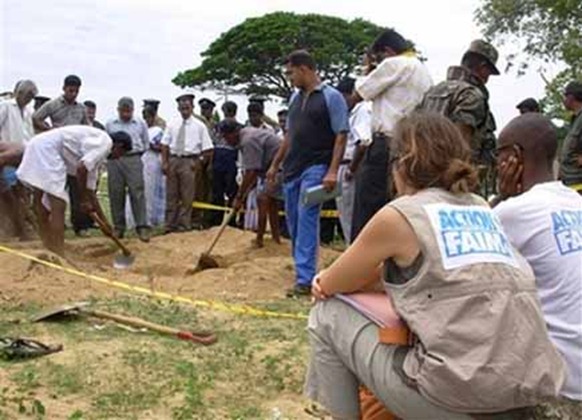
(543, 219)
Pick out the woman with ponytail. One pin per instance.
(479, 342)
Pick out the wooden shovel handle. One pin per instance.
(106, 231)
(225, 222)
(205, 339)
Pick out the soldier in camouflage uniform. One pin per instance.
(464, 99)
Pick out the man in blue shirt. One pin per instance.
(311, 153)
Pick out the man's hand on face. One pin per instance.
(330, 181)
(510, 172)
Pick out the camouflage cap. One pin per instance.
(487, 51)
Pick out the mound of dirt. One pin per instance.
(246, 274)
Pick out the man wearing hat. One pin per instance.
(260, 101)
(528, 105)
(464, 99)
(571, 157)
(126, 172)
(154, 104)
(39, 101)
(186, 149)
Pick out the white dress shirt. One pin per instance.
(395, 88)
(197, 139)
(15, 124)
(360, 128)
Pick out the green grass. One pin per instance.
(113, 373)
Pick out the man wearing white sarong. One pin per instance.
(48, 159)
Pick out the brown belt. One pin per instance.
(399, 335)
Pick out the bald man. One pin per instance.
(543, 220)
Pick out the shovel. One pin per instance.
(206, 261)
(82, 308)
(126, 259)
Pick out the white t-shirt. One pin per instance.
(545, 225)
(50, 156)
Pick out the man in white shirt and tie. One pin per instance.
(186, 147)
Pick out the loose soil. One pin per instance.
(110, 372)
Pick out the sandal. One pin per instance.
(24, 348)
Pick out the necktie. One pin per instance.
(181, 141)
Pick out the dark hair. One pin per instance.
(255, 108)
(391, 39)
(431, 152)
(301, 58)
(347, 85)
(574, 89)
(121, 137)
(72, 80)
(229, 126)
(284, 111)
(90, 104)
(473, 60)
(229, 108)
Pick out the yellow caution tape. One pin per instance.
(210, 304)
(326, 214)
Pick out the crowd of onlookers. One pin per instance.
(484, 293)
(149, 186)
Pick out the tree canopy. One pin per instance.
(549, 30)
(249, 57)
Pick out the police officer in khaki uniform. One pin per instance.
(464, 99)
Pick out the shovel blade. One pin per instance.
(122, 262)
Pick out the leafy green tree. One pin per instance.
(547, 30)
(248, 58)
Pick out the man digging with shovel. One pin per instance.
(49, 157)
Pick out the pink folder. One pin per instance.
(377, 307)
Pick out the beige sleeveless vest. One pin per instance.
(482, 344)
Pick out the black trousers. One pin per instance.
(223, 185)
(79, 220)
(373, 183)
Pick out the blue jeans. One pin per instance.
(303, 223)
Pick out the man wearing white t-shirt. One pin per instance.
(543, 220)
(77, 150)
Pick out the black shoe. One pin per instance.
(298, 291)
(143, 234)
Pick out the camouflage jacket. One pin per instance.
(465, 100)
